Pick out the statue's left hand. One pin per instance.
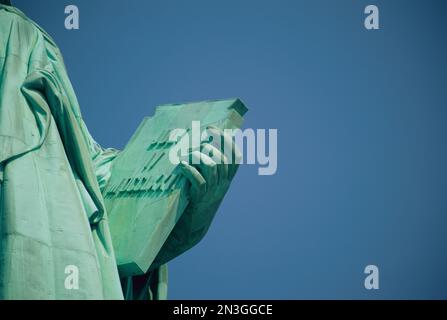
(211, 177)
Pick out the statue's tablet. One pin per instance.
(146, 195)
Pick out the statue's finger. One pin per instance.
(198, 182)
(229, 147)
(219, 158)
(206, 166)
(237, 160)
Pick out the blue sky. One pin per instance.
(361, 126)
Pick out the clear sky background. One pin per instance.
(361, 115)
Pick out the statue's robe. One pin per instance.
(52, 213)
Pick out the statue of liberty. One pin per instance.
(52, 178)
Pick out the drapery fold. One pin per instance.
(52, 214)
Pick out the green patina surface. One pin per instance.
(61, 202)
(147, 194)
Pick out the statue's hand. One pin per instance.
(209, 181)
(211, 177)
